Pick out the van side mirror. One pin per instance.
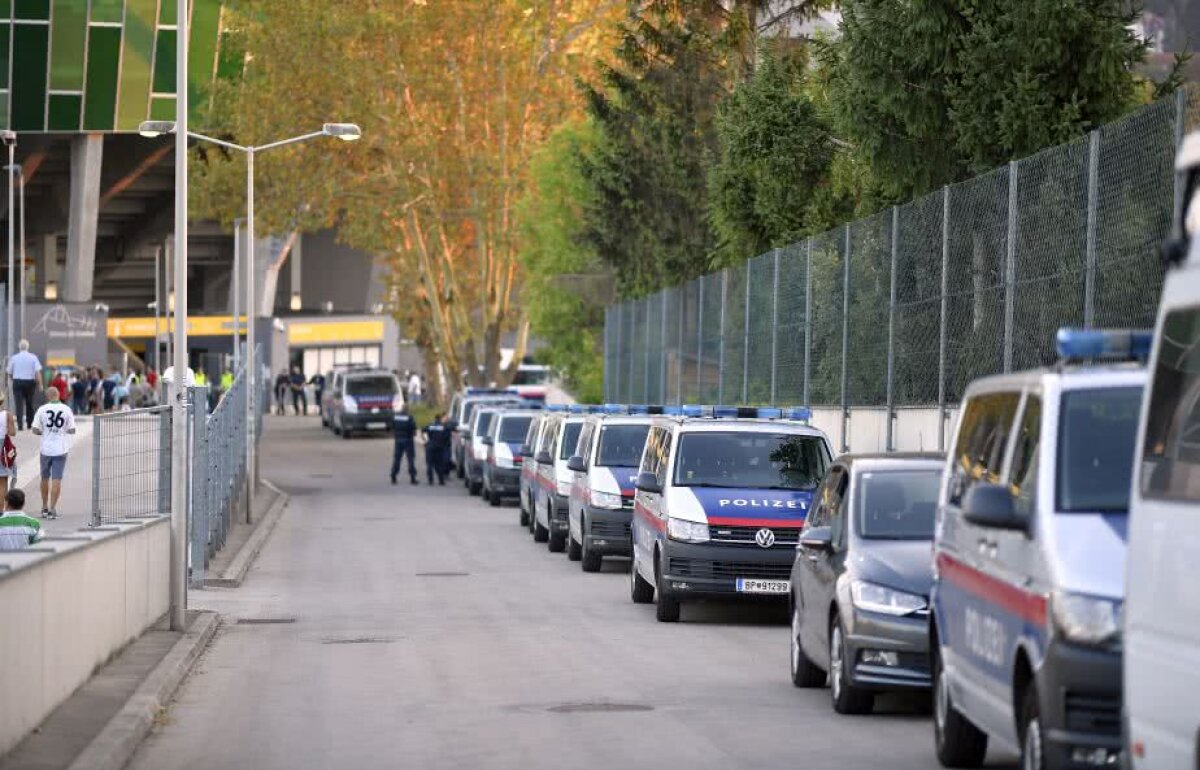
(648, 482)
(817, 539)
(576, 463)
(991, 505)
(488, 441)
(543, 458)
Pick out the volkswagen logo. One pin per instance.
(765, 538)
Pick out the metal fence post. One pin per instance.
(1089, 273)
(607, 353)
(1180, 127)
(700, 342)
(1010, 267)
(662, 348)
(943, 311)
(891, 349)
(97, 429)
(199, 486)
(845, 336)
(721, 341)
(619, 353)
(632, 345)
(679, 348)
(645, 399)
(807, 320)
(774, 323)
(746, 338)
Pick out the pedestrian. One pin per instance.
(78, 394)
(318, 383)
(60, 382)
(299, 399)
(437, 449)
(53, 422)
(414, 388)
(17, 531)
(8, 450)
(151, 377)
(108, 387)
(281, 389)
(404, 430)
(24, 369)
(95, 392)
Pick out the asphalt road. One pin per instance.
(424, 629)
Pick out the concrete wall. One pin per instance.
(69, 605)
(915, 429)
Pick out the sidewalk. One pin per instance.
(74, 506)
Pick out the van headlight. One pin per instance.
(605, 500)
(873, 597)
(687, 531)
(1086, 619)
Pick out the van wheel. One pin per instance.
(1032, 753)
(958, 742)
(847, 699)
(666, 607)
(574, 550)
(524, 517)
(540, 533)
(591, 560)
(804, 672)
(641, 591)
(556, 542)
(473, 488)
(494, 499)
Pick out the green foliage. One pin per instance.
(569, 322)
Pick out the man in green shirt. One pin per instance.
(17, 531)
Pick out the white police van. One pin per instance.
(605, 468)
(1029, 555)
(461, 412)
(548, 516)
(1162, 604)
(722, 493)
(529, 465)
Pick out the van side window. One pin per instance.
(1023, 478)
(532, 434)
(982, 439)
(1171, 448)
(663, 450)
(836, 510)
(650, 459)
(585, 441)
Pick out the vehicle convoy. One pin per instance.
(1162, 604)
(720, 502)
(527, 492)
(1029, 557)
(604, 468)
(475, 454)
(861, 579)
(560, 434)
(462, 408)
(502, 464)
(365, 400)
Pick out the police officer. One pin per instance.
(404, 429)
(437, 448)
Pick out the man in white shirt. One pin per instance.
(54, 421)
(23, 370)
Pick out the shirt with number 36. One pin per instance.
(55, 421)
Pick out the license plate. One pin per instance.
(753, 586)
(374, 425)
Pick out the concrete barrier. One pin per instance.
(69, 605)
(915, 428)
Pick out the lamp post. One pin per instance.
(347, 132)
(20, 191)
(237, 292)
(10, 140)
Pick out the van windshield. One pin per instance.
(898, 505)
(621, 445)
(750, 461)
(371, 386)
(513, 429)
(1096, 434)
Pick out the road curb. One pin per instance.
(236, 571)
(115, 745)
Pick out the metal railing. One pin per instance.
(131, 464)
(906, 307)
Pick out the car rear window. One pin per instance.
(750, 460)
(897, 505)
(371, 386)
(513, 429)
(1096, 434)
(570, 439)
(621, 445)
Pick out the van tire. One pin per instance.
(666, 607)
(591, 561)
(957, 741)
(556, 542)
(574, 550)
(641, 591)
(1033, 736)
(540, 533)
(494, 499)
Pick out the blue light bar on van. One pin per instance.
(1122, 344)
(491, 391)
(692, 410)
(748, 412)
(798, 413)
(674, 411)
(614, 409)
(556, 407)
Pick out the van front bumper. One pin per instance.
(608, 531)
(504, 482)
(708, 570)
(1079, 697)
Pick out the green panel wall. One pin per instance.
(30, 43)
(64, 112)
(100, 101)
(136, 60)
(68, 40)
(164, 62)
(32, 9)
(202, 51)
(108, 10)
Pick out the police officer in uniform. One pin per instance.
(404, 429)
(437, 449)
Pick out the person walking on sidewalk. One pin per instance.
(24, 369)
(8, 450)
(53, 422)
(17, 531)
(437, 449)
(404, 428)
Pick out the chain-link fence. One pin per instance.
(131, 464)
(906, 307)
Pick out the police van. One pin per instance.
(1162, 605)
(548, 515)
(475, 446)
(722, 493)
(502, 464)
(604, 468)
(528, 488)
(1029, 557)
(462, 409)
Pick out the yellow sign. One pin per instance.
(334, 332)
(198, 326)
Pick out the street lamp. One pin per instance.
(21, 239)
(10, 140)
(51, 291)
(347, 132)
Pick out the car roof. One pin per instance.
(739, 425)
(1067, 377)
(892, 460)
(623, 419)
